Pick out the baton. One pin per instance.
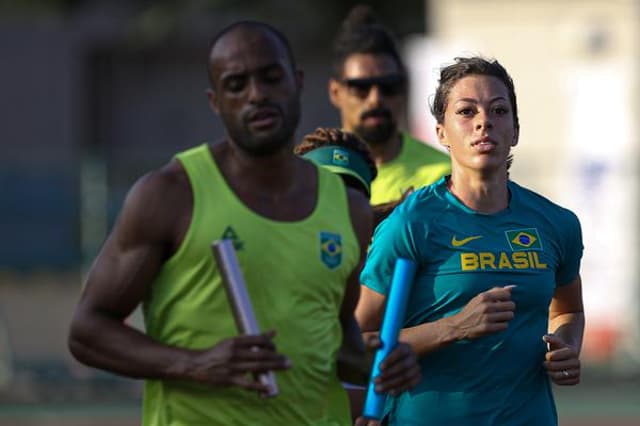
(401, 281)
(238, 296)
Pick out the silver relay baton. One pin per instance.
(238, 296)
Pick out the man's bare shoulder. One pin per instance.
(158, 203)
(358, 202)
(161, 186)
(361, 214)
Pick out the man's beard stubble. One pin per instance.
(378, 134)
(282, 137)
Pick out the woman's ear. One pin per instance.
(442, 137)
(516, 135)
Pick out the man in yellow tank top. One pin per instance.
(369, 88)
(300, 236)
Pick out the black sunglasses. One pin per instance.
(389, 85)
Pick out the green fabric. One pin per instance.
(417, 165)
(295, 273)
(342, 160)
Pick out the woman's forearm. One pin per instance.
(569, 327)
(430, 336)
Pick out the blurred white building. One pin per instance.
(575, 64)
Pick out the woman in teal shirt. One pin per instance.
(496, 309)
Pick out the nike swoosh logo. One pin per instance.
(460, 243)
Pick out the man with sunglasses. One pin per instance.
(369, 87)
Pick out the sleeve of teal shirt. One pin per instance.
(571, 250)
(397, 236)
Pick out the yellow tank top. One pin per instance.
(417, 165)
(296, 274)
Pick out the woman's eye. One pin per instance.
(465, 112)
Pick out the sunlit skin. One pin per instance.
(479, 131)
(478, 127)
(256, 91)
(352, 106)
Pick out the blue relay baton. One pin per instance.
(401, 281)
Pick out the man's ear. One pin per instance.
(442, 136)
(334, 92)
(213, 101)
(299, 79)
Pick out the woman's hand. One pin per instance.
(561, 361)
(489, 312)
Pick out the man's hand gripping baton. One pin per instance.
(238, 296)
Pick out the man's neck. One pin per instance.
(279, 186)
(275, 171)
(385, 152)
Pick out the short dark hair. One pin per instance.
(463, 67)
(362, 33)
(252, 25)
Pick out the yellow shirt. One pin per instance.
(417, 165)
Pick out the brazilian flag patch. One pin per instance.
(524, 239)
(340, 157)
(330, 249)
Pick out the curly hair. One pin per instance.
(353, 176)
(324, 136)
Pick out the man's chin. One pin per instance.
(377, 135)
(264, 145)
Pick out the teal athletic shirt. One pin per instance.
(497, 379)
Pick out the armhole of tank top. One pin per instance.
(189, 165)
(346, 206)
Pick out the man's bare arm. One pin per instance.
(352, 354)
(145, 235)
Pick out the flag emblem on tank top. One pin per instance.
(330, 249)
(524, 239)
